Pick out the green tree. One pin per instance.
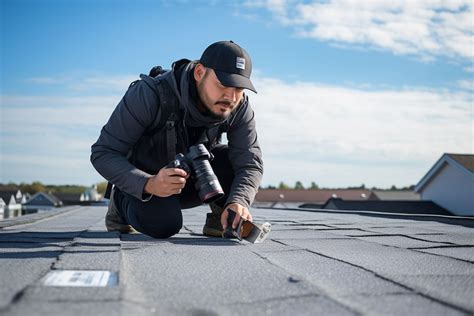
(101, 187)
(33, 188)
(283, 185)
(299, 185)
(314, 186)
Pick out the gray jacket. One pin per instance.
(138, 111)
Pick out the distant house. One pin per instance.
(3, 206)
(405, 207)
(450, 184)
(91, 194)
(391, 195)
(41, 201)
(70, 198)
(12, 200)
(288, 198)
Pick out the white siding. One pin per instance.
(453, 189)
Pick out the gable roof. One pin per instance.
(467, 161)
(7, 196)
(48, 196)
(315, 196)
(464, 162)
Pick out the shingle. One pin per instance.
(400, 241)
(385, 260)
(332, 276)
(302, 305)
(398, 304)
(460, 287)
(196, 272)
(454, 238)
(313, 262)
(78, 308)
(89, 258)
(39, 293)
(463, 253)
(304, 234)
(18, 273)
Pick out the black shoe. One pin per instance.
(213, 225)
(114, 221)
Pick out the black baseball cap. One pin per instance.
(230, 62)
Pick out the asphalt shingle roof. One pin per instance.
(467, 161)
(322, 262)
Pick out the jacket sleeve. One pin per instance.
(245, 156)
(135, 112)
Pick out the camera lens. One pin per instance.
(208, 186)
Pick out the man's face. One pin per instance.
(218, 101)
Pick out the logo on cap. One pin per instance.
(240, 63)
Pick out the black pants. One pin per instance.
(161, 217)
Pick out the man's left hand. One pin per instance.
(240, 212)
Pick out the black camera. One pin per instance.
(196, 162)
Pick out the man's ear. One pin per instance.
(199, 72)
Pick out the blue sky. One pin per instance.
(350, 92)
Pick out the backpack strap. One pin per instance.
(169, 118)
(170, 113)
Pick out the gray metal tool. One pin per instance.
(246, 230)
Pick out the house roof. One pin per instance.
(315, 196)
(390, 195)
(6, 196)
(467, 161)
(50, 197)
(463, 162)
(408, 207)
(323, 262)
(68, 197)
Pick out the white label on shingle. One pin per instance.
(76, 278)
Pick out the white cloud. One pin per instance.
(114, 83)
(466, 85)
(26, 111)
(333, 135)
(48, 138)
(421, 28)
(308, 129)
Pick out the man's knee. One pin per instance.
(162, 232)
(159, 228)
(158, 218)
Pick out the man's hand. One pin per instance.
(167, 182)
(240, 212)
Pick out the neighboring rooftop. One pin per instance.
(314, 262)
(390, 195)
(317, 195)
(450, 184)
(408, 207)
(467, 161)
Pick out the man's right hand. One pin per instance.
(167, 182)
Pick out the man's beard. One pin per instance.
(217, 116)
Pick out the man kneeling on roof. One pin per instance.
(183, 110)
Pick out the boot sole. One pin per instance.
(212, 232)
